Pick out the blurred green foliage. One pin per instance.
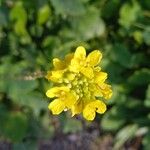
(33, 32)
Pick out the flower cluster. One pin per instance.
(79, 84)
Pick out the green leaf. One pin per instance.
(125, 134)
(110, 8)
(15, 77)
(19, 88)
(138, 36)
(147, 100)
(112, 68)
(146, 35)
(129, 13)
(88, 26)
(19, 15)
(112, 121)
(43, 14)
(34, 100)
(122, 55)
(15, 126)
(68, 7)
(21, 92)
(3, 17)
(20, 28)
(51, 42)
(140, 77)
(3, 116)
(118, 93)
(145, 141)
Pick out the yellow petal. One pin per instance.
(89, 113)
(58, 64)
(109, 94)
(56, 75)
(87, 71)
(77, 108)
(94, 58)
(97, 68)
(100, 77)
(68, 58)
(99, 105)
(79, 59)
(80, 53)
(91, 108)
(70, 76)
(53, 92)
(75, 65)
(96, 90)
(69, 100)
(56, 106)
(106, 90)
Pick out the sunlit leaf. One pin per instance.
(68, 7)
(129, 13)
(19, 15)
(125, 134)
(138, 36)
(146, 35)
(43, 14)
(89, 25)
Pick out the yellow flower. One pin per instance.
(83, 64)
(79, 83)
(91, 108)
(59, 68)
(65, 98)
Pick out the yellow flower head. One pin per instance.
(79, 83)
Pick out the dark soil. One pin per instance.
(84, 141)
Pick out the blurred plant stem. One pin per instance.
(57, 126)
(26, 76)
(33, 76)
(138, 25)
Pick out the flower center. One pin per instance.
(80, 84)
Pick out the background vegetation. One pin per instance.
(33, 32)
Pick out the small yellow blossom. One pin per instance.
(83, 64)
(79, 84)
